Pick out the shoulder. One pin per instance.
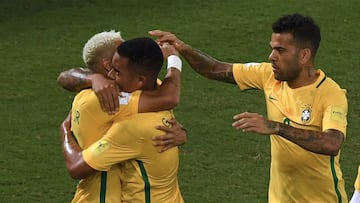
(152, 117)
(329, 85)
(88, 97)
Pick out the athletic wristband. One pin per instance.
(174, 61)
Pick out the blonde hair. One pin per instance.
(100, 45)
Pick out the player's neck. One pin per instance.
(307, 78)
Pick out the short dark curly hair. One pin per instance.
(303, 29)
(144, 54)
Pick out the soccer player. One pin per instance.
(356, 195)
(90, 122)
(306, 110)
(149, 176)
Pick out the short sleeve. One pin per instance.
(252, 75)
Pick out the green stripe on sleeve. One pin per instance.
(146, 181)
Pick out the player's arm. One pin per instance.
(327, 142)
(75, 164)
(167, 96)
(199, 61)
(173, 137)
(77, 79)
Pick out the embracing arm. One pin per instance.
(327, 142)
(75, 79)
(175, 136)
(167, 95)
(199, 61)
(75, 164)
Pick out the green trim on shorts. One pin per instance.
(103, 182)
(336, 180)
(146, 181)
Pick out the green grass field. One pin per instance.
(41, 38)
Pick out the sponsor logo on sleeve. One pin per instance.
(100, 147)
(337, 113)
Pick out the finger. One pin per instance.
(114, 102)
(241, 124)
(163, 137)
(165, 45)
(157, 32)
(165, 129)
(101, 100)
(173, 121)
(116, 98)
(240, 116)
(107, 98)
(112, 97)
(157, 144)
(161, 143)
(166, 147)
(169, 38)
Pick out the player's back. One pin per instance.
(153, 175)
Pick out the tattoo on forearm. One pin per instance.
(271, 125)
(205, 65)
(223, 76)
(201, 62)
(317, 142)
(78, 80)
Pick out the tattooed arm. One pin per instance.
(200, 62)
(327, 142)
(75, 79)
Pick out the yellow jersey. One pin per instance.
(298, 175)
(150, 176)
(89, 123)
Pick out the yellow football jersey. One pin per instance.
(89, 123)
(298, 175)
(150, 176)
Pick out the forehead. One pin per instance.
(282, 40)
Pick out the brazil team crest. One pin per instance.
(306, 115)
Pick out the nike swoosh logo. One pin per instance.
(272, 98)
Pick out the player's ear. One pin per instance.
(304, 56)
(141, 81)
(106, 61)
